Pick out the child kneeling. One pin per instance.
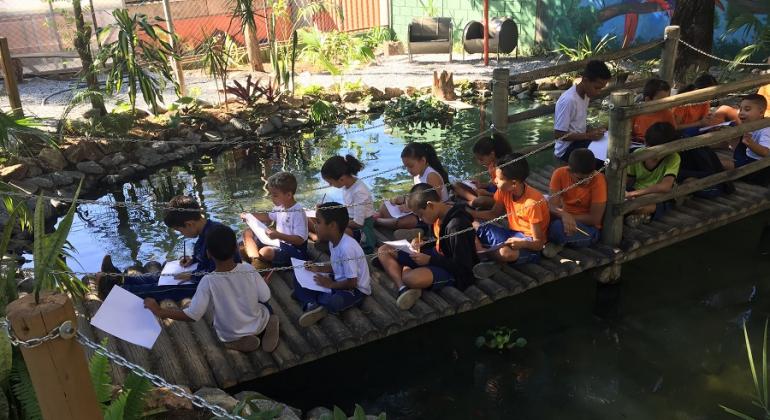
(448, 262)
(238, 295)
(349, 280)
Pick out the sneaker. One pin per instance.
(270, 336)
(244, 344)
(485, 270)
(407, 234)
(634, 220)
(407, 298)
(550, 250)
(313, 313)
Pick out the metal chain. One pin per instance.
(714, 57)
(64, 330)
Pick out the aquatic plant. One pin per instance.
(417, 112)
(760, 398)
(323, 112)
(501, 338)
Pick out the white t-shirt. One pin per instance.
(423, 179)
(762, 137)
(292, 222)
(348, 262)
(356, 194)
(570, 117)
(236, 298)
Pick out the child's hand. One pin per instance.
(747, 139)
(417, 244)
(185, 261)
(272, 234)
(182, 277)
(514, 242)
(631, 195)
(420, 258)
(243, 216)
(312, 267)
(404, 208)
(595, 134)
(151, 304)
(570, 225)
(323, 281)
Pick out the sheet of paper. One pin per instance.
(470, 185)
(711, 127)
(394, 210)
(401, 245)
(599, 147)
(310, 213)
(172, 268)
(492, 248)
(123, 315)
(305, 276)
(259, 229)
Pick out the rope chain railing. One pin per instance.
(720, 59)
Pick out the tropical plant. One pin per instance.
(129, 403)
(336, 52)
(140, 55)
(323, 112)
(761, 390)
(501, 338)
(243, 11)
(584, 48)
(429, 8)
(310, 90)
(17, 134)
(216, 52)
(82, 44)
(251, 92)
(417, 112)
(377, 36)
(751, 25)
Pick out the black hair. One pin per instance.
(283, 181)
(660, 133)
(689, 88)
(220, 242)
(420, 194)
(596, 70)
(705, 80)
(757, 99)
(496, 143)
(182, 209)
(337, 166)
(582, 161)
(517, 171)
(416, 150)
(653, 86)
(333, 212)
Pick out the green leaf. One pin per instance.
(751, 361)
(339, 414)
(22, 389)
(137, 388)
(359, 413)
(521, 342)
(117, 408)
(736, 413)
(99, 367)
(6, 358)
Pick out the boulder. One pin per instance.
(360, 107)
(44, 182)
(148, 157)
(14, 172)
(90, 167)
(25, 185)
(218, 397)
(239, 124)
(562, 83)
(52, 160)
(318, 413)
(114, 160)
(164, 398)
(294, 123)
(391, 93)
(212, 136)
(410, 90)
(187, 150)
(160, 146)
(376, 94)
(352, 96)
(193, 136)
(126, 172)
(112, 179)
(276, 121)
(83, 150)
(266, 128)
(62, 178)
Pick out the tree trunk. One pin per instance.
(252, 48)
(696, 20)
(83, 46)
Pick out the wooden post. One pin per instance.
(486, 33)
(58, 368)
(177, 66)
(617, 151)
(668, 57)
(10, 78)
(500, 77)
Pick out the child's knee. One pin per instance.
(386, 252)
(267, 253)
(508, 254)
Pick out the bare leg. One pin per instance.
(418, 278)
(250, 244)
(387, 257)
(406, 222)
(506, 254)
(462, 191)
(483, 203)
(311, 233)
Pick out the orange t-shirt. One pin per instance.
(437, 234)
(691, 113)
(578, 200)
(529, 209)
(492, 169)
(765, 91)
(645, 121)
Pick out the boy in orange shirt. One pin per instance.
(654, 89)
(576, 213)
(528, 218)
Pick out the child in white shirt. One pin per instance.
(754, 145)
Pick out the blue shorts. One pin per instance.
(491, 188)
(441, 277)
(491, 235)
(284, 253)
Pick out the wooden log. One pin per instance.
(526, 281)
(668, 56)
(558, 268)
(438, 304)
(500, 77)
(11, 86)
(281, 358)
(443, 86)
(617, 151)
(91, 304)
(540, 274)
(188, 351)
(317, 338)
(477, 296)
(492, 289)
(513, 285)
(361, 327)
(379, 316)
(421, 311)
(580, 257)
(165, 360)
(456, 298)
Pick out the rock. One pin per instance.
(140, 113)
(524, 95)
(52, 160)
(276, 121)
(330, 97)
(163, 398)
(193, 136)
(25, 185)
(266, 128)
(375, 94)
(90, 167)
(212, 136)
(390, 48)
(317, 413)
(126, 172)
(239, 124)
(160, 146)
(550, 95)
(356, 108)
(113, 179)
(410, 90)
(187, 150)
(391, 93)
(264, 404)
(114, 160)
(562, 83)
(218, 397)
(83, 150)
(42, 182)
(353, 96)
(14, 172)
(294, 124)
(61, 178)
(148, 157)
(137, 167)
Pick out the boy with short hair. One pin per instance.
(291, 227)
(238, 295)
(184, 215)
(576, 213)
(572, 111)
(445, 262)
(654, 175)
(527, 213)
(754, 145)
(349, 280)
(654, 89)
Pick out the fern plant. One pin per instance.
(23, 391)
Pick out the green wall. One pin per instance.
(463, 11)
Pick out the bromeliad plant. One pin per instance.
(251, 92)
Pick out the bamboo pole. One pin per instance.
(58, 368)
(500, 78)
(11, 88)
(617, 150)
(668, 56)
(176, 64)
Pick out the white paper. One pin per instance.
(599, 147)
(492, 248)
(310, 213)
(172, 268)
(711, 127)
(305, 277)
(470, 185)
(401, 245)
(123, 315)
(395, 211)
(259, 229)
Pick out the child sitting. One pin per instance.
(486, 151)
(527, 213)
(654, 89)
(349, 282)
(654, 175)
(340, 172)
(576, 214)
(237, 294)
(184, 216)
(290, 226)
(446, 262)
(754, 145)
(691, 118)
(572, 111)
(422, 163)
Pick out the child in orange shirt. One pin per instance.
(692, 117)
(654, 89)
(486, 151)
(528, 218)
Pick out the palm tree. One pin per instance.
(243, 10)
(83, 46)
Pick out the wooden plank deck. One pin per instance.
(189, 353)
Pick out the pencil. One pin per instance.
(582, 231)
(184, 249)
(419, 238)
(323, 199)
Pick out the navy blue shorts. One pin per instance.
(491, 188)
(441, 277)
(490, 235)
(286, 252)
